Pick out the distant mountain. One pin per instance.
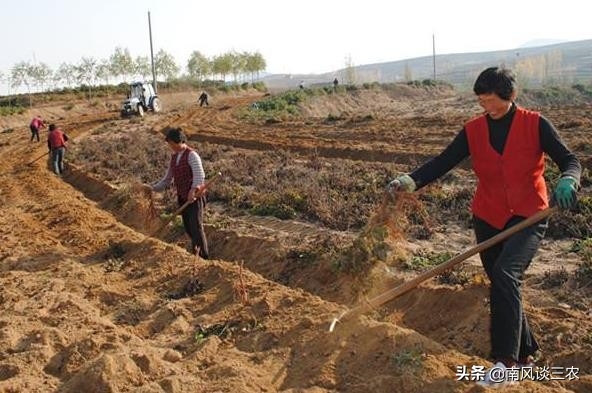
(541, 42)
(556, 64)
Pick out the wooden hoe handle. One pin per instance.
(207, 185)
(409, 285)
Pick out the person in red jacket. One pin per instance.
(56, 143)
(186, 171)
(506, 145)
(35, 125)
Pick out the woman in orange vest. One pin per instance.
(507, 146)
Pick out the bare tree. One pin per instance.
(41, 74)
(250, 65)
(256, 63)
(198, 66)
(350, 71)
(64, 75)
(408, 74)
(553, 66)
(222, 65)
(165, 65)
(21, 75)
(104, 71)
(87, 73)
(142, 67)
(122, 64)
(237, 64)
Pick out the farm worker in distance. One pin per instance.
(35, 125)
(203, 99)
(57, 141)
(506, 145)
(186, 170)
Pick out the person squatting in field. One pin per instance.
(186, 171)
(507, 145)
(57, 142)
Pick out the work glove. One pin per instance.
(401, 183)
(565, 192)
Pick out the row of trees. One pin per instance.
(121, 66)
(540, 70)
(240, 65)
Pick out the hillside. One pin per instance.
(563, 63)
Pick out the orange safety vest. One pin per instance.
(512, 183)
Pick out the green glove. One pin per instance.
(565, 192)
(401, 183)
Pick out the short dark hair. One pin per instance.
(175, 135)
(500, 81)
(52, 127)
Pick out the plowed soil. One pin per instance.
(91, 302)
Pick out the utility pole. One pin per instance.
(152, 55)
(434, 53)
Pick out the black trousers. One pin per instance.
(193, 224)
(505, 264)
(34, 133)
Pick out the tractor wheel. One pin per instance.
(140, 110)
(156, 107)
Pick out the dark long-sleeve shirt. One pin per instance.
(499, 129)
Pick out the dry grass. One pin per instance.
(240, 290)
(393, 213)
(378, 240)
(145, 203)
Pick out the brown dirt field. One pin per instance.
(90, 303)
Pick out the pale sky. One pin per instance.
(300, 36)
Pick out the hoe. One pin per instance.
(409, 285)
(37, 159)
(207, 185)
